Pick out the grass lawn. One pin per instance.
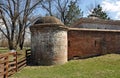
(6, 50)
(3, 50)
(106, 66)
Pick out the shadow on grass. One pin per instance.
(30, 61)
(92, 56)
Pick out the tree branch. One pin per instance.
(5, 22)
(4, 33)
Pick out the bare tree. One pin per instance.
(58, 8)
(62, 7)
(48, 6)
(15, 15)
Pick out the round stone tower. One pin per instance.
(49, 41)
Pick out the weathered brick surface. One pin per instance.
(84, 43)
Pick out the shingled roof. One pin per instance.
(96, 21)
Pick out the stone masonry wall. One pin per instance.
(49, 45)
(86, 43)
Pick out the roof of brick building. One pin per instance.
(95, 21)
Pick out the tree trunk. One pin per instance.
(22, 40)
(11, 45)
(21, 46)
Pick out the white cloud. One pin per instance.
(118, 16)
(113, 7)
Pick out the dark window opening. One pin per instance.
(95, 43)
(68, 43)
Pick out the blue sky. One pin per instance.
(111, 7)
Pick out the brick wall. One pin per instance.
(86, 43)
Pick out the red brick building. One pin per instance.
(91, 37)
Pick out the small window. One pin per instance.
(68, 43)
(95, 43)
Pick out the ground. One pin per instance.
(106, 66)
